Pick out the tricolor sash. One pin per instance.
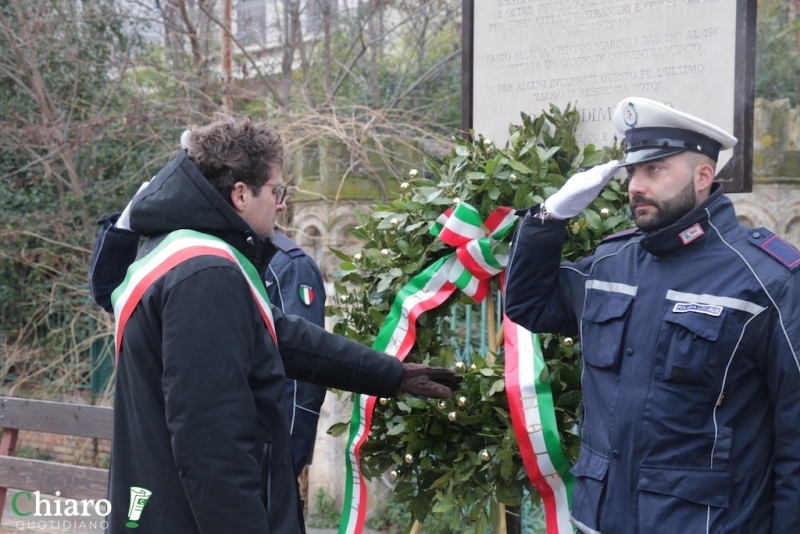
(178, 247)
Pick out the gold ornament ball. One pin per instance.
(568, 341)
(460, 367)
(385, 253)
(343, 298)
(409, 459)
(485, 456)
(393, 475)
(404, 186)
(513, 177)
(605, 212)
(442, 405)
(413, 173)
(452, 416)
(456, 201)
(487, 143)
(462, 401)
(394, 221)
(357, 257)
(473, 367)
(384, 401)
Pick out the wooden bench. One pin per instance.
(72, 481)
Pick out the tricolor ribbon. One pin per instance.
(424, 292)
(463, 228)
(470, 269)
(178, 247)
(533, 416)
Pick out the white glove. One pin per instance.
(579, 191)
(185, 139)
(124, 221)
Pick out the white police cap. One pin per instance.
(654, 131)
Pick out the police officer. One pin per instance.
(690, 329)
(295, 285)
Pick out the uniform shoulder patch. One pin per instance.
(306, 294)
(284, 243)
(287, 246)
(783, 251)
(619, 235)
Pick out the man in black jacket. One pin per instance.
(294, 284)
(201, 435)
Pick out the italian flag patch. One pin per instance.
(306, 293)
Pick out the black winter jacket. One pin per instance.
(199, 409)
(289, 271)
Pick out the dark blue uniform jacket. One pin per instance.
(691, 371)
(295, 285)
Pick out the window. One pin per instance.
(251, 21)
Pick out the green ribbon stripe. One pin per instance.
(547, 415)
(415, 285)
(485, 245)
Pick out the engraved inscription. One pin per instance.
(592, 53)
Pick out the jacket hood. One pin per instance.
(180, 198)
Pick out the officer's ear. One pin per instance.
(704, 173)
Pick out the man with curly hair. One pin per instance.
(294, 284)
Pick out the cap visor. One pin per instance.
(649, 154)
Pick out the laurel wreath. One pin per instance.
(460, 456)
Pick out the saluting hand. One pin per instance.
(579, 191)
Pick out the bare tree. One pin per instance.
(91, 110)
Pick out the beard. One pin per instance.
(666, 212)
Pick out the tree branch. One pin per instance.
(244, 52)
(427, 76)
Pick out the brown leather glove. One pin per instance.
(425, 381)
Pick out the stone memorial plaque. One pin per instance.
(695, 55)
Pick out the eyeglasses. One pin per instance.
(280, 192)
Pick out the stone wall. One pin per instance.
(775, 200)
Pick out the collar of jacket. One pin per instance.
(179, 197)
(259, 251)
(667, 240)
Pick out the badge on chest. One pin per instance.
(690, 307)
